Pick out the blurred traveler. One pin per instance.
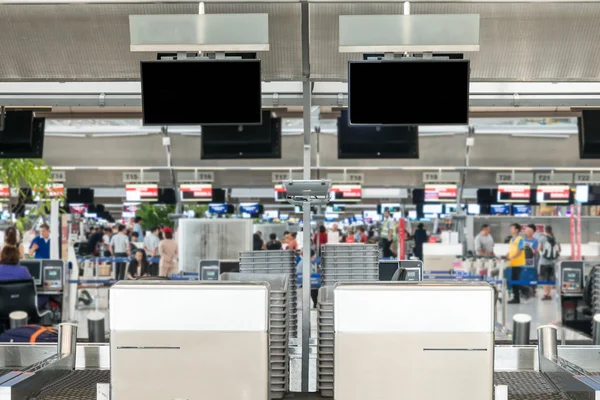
(106, 241)
(420, 237)
(484, 242)
(531, 246)
(40, 246)
(94, 240)
(285, 240)
(273, 243)
(13, 238)
(151, 242)
(361, 235)
(293, 243)
(120, 247)
(350, 236)
(335, 236)
(549, 250)
(516, 260)
(387, 234)
(257, 242)
(133, 239)
(320, 238)
(167, 249)
(137, 227)
(10, 269)
(138, 266)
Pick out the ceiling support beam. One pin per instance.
(488, 95)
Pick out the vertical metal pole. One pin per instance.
(54, 230)
(596, 330)
(504, 302)
(67, 342)
(547, 347)
(579, 232)
(307, 93)
(572, 232)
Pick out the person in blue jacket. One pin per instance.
(10, 270)
(40, 246)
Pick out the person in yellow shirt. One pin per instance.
(516, 260)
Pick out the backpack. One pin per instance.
(30, 334)
(529, 255)
(551, 249)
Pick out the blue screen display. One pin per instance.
(521, 210)
(249, 208)
(500, 209)
(217, 208)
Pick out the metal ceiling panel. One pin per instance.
(535, 41)
(284, 60)
(519, 41)
(73, 42)
(326, 60)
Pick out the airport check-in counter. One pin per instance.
(50, 277)
(436, 343)
(199, 340)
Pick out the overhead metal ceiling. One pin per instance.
(72, 42)
(519, 41)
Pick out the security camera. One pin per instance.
(314, 192)
(318, 188)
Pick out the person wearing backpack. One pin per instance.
(549, 250)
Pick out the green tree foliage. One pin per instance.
(20, 174)
(155, 215)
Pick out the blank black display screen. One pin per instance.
(201, 92)
(409, 92)
(243, 141)
(370, 142)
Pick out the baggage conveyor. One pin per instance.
(112, 371)
(517, 367)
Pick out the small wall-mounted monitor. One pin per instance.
(514, 194)
(553, 194)
(500, 209)
(280, 193)
(196, 192)
(440, 192)
(521, 210)
(346, 193)
(35, 269)
(141, 192)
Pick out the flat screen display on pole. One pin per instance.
(201, 92)
(408, 92)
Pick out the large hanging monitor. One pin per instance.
(220, 142)
(201, 92)
(409, 92)
(21, 135)
(372, 142)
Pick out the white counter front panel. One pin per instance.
(410, 308)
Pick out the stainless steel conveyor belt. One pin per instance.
(81, 385)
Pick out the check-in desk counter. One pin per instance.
(439, 257)
(189, 340)
(413, 341)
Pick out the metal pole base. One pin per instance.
(521, 327)
(18, 319)
(96, 332)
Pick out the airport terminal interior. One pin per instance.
(313, 199)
